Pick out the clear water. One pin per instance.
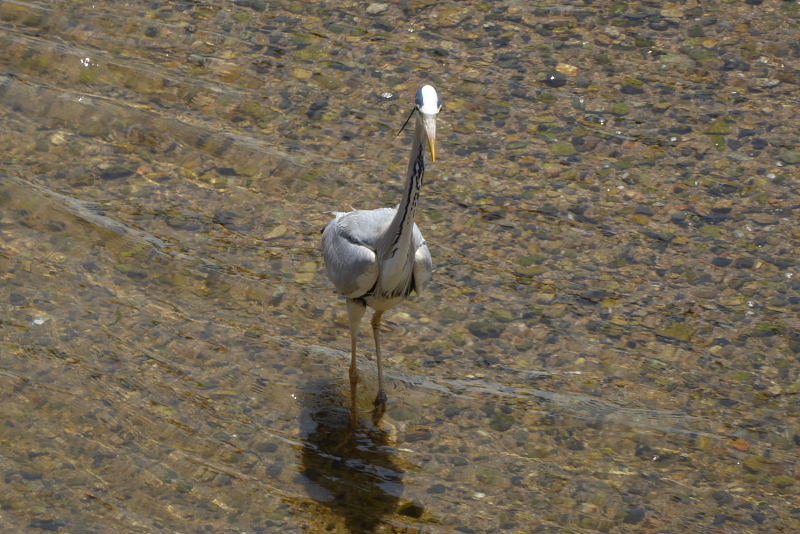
(610, 341)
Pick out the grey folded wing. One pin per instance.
(423, 266)
(351, 264)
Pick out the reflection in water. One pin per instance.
(352, 471)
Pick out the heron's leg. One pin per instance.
(355, 311)
(380, 400)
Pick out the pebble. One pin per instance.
(679, 331)
(567, 69)
(58, 138)
(554, 79)
(764, 218)
(634, 515)
(437, 488)
(632, 86)
(783, 481)
(720, 127)
(278, 231)
(791, 157)
(301, 74)
(418, 434)
(257, 5)
(377, 8)
(116, 172)
(411, 509)
(563, 148)
(485, 329)
(753, 464)
(502, 422)
(722, 497)
(619, 109)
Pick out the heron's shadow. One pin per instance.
(350, 470)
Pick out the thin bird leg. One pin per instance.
(355, 311)
(353, 376)
(380, 400)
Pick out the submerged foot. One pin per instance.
(380, 407)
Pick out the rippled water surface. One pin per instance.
(610, 341)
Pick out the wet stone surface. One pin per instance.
(610, 341)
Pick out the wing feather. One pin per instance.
(350, 260)
(423, 267)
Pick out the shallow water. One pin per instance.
(610, 340)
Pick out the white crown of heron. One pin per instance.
(428, 100)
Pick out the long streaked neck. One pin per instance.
(399, 232)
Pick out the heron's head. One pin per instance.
(428, 106)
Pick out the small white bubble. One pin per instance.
(789, 275)
(771, 175)
(39, 321)
(387, 95)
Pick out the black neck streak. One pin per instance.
(412, 194)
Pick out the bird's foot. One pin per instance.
(380, 407)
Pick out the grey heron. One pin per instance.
(377, 257)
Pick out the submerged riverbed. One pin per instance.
(610, 340)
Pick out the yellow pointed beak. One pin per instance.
(429, 124)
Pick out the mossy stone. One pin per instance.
(720, 126)
(563, 148)
(619, 109)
